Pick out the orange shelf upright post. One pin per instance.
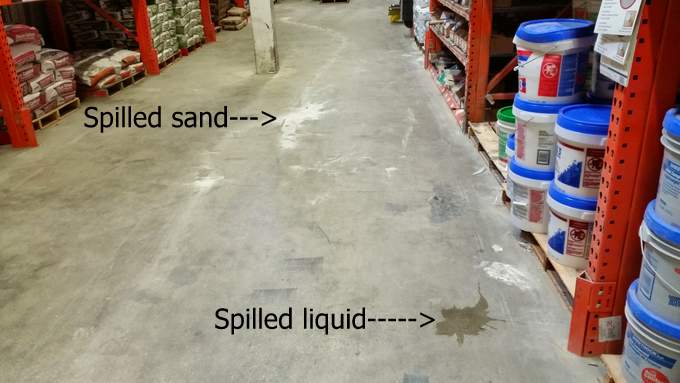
(146, 48)
(478, 56)
(16, 116)
(208, 26)
(629, 181)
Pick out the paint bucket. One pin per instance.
(527, 190)
(668, 197)
(581, 139)
(659, 284)
(570, 227)
(651, 347)
(505, 126)
(552, 57)
(535, 138)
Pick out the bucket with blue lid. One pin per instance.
(651, 348)
(570, 227)
(659, 284)
(552, 59)
(668, 197)
(527, 189)
(581, 132)
(535, 138)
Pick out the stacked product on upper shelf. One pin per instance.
(189, 22)
(46, 76)
(554, 176)
(90, 30)
(421, 19)
(163, 29)
(451, 28)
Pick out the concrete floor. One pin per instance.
(117, 248)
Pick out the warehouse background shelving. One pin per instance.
(17, 117)
(630, 177)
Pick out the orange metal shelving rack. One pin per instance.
(16, 116)
(629, 180)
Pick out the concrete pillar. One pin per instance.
(266, 56)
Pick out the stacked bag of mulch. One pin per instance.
(98, 69)
(189, 22)
(218, 10)
(46, 76)
(236, 19)
(90, 31)
(162, 21)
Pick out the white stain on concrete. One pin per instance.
(390, 170)
(294, 120)
(411, 120)
(506, 274)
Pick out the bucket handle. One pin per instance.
(519, 66)
(645, 235)
(667, 284)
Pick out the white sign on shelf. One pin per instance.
(618, 17)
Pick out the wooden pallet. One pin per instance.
(186, 51)
(170, 60)
(563, 277)
(115, 87)
(50, 118)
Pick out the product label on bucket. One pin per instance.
(569, 237)
(522, 58)
(578, 167)
(528, 204)
(520, 137)
(646, 353)
(546, 145)
(550, 76)
(593, 169)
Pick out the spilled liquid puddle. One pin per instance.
(466, 321)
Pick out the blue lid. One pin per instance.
(583, 203)
(549, 30)
(661, 228)
(649, 319)
(511, 141)
(538, 107)
(672, 122)
(541, 175)
(586, 118)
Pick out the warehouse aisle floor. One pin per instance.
(117, 248)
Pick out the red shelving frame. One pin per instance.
(16, 116)
(629, 180)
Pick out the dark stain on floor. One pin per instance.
(465, 321)
(444, 204)
(415, 378)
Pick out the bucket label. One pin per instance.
(647, 279)
(546, 145)
(652, 375)
(520, 138)
(593, 169)
(669, 189)
(549, 80)
(647, 353)
(569, 237)
(522, 58)
(528, 204)
(579, 167)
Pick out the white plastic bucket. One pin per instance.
(570, 227)
(668, 197)
(581, 139)
(651, 347)
(528, 190)
(552, 59)
(505, 126)
(535, 139)
(659, 285)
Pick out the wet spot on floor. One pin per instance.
(444, 204)
(466, 320)
(415, 378)
(396, 208)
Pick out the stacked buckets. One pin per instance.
(553, 65)
(652, 343)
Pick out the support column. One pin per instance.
(262, 17)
